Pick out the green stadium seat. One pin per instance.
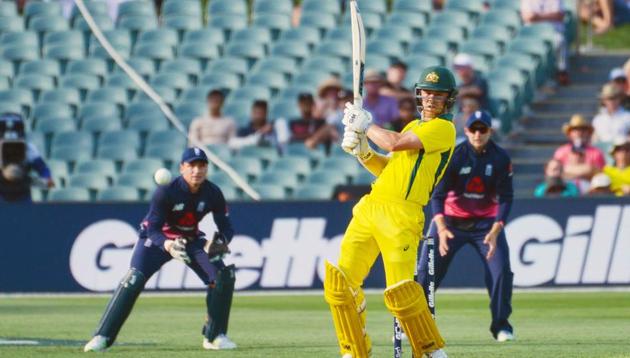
(142, 65)
(379, 62)
(310, 35)
(59, 171)
(301, 166)
(221, 179)
(145, 124)
(146, 166)
(227, 7)
(137, 24)
(69, 96)
(198, 94)
(102, 167)
(163, 36)
(273, 21)
(188, 111)
(397, 32)
(534, 48)
(208, 35)
(256, 34)
(11, 107)
(265, 154)
(168, 94)
(8, 9)
(20, 96)
(103, 21)
(295, 89)
(46, 110)
(300, 150)
(284, 178)
(251, 168)
(121, 80)
(66, 38)
(49, 125)
(47, 67)
(183, 23)
(330, 7)
(393, 50)
(168, 152)
(269, 192)
(319, 20)
(68, 195)
(40, 8)
(523, 62)
(118, 194)
(328, 177)
(294, 49)
(202, 53)
(273, 80)
(251, 51)
(541, 30)
(78, 140)
(142, 181)
(314, 192)
(284, 7)
(422, 6)
(143, 108)
(154, 51)
(84, 83)
(504, 17)
(223, 81)
(95, 7)
(286, 109)
(11, 23)
(488, 48)
(506, 4)
(100, 124)
(172, 136)
(117, 153)
(128, 139)
(228, 22)
(181, 7)
(136, 8)
(230, 64)
(363, 177)
(90, 66)
(220, 150)
(335, 48)
(69, 154)
(23, 38)
(119, 38)
(239, 110)
(18, 54)
(4, 83)
(117, 95)
(340, 164)
(473, 7)
(251, 92)
(498, 33)
(312, 78)
(91, 181)
(453, 36)
(93, 109)
(63, 54)
(339, 33)
(177, 80)
(190, 66)
(44, 24)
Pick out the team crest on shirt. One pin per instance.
(178, 207)
(432, 77)
(465, 170)
(201, 206)
(488, 170)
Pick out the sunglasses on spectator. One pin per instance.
(480, 129)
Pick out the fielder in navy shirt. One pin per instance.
(171, 230)
(470, 206)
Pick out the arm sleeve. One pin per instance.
(157, 217)
(441, 190)
(505, 191)
(37, 162)
(221, 216)
(435, 135)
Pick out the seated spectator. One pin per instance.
(619, 173)
(328, 97)
(551, 11)
(308, 128)
(395, 76)
(600, 186)
(384, 109)
(626, 96)
(554, 184)
(468, 106)
(612, 121)
(580, 160)
(471, 83)
(261, 132)
(605, 14)
(213, 128)
(407, 112)
(334, 120)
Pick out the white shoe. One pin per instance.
(437, 354)
(96, 344)
(220, 342)
(504, 336)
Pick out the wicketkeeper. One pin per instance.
(389, 220)
(470, 206)
(170, 230)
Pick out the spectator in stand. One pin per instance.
(551, 11)
(407, 112)
(554, 185)
(395, 76)
(626, 96)
(309, 129)
(468, 106)
(612, 121)
(619, 173)
(580, 160)
(605, 14)
(471, 83)
(213, 128)
(600, 186)
(334, 120)
(384, 109)
(328, 97)
(260, 131)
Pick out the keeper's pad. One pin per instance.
(348, 312)
(407, 303)
(120, 305)
(219, 303)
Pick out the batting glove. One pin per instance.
(356, 144)
(356, 118)
(177, 249)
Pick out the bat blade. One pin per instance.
(358, 53)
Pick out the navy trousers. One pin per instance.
(498, 273)
(148, 258)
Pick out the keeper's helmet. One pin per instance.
(437, 78)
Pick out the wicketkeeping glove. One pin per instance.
(177, 249)
(217, 248)
(356, 118)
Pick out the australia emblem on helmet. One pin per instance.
(432, 77)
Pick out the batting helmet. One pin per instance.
(437, 78)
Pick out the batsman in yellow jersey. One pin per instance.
(389, 220)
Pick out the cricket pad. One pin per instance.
(219, 303)
(348, 312)
(407, 303)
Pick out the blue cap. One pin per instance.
(479, 116)
(193, 154)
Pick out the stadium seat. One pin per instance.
(284, 178)
(494, 32)
(249, 167)
(95, 7)
(335, 48)
(340, 164)
(188, 111)
(453, 36)
(6, 106)
(397, 32)
(78, 140)
(363, 177)
(19, 96)
(269, 192)
(301, 166)
(90, 66)
(172, 136)
(393, 50)
(202, 53)
(252, 93)
(69, 154)
(506, 4)
(189, 66)
(229, 64)
(91, 181)
(413, 21)
(118, 38)
(142, 181)
(330, 7)
(504, 17)
(273, 21)
(23, 38)
(123, 81)
(208, 35)
(168, 152)
(283, 7)
(294, 49)
(220, 150)
(256, 34)
(84, 83)
(18, 54)
(59, 171)
(433, 47)
(168, 94)
(40, 8)
(267, 155)
(251, 51)
(136, 8)
(276, 64)
(117, 95)
(326, 177)
(43, 24)
(286, 109)
(66, 38)
(93, 109)
(11, 23)
(222, 81)
(181, 7)
(485, 47)
(145, 124)
(47, 110)
(314, 192)
(8, 9)
(68, 96)
(183, 23)
(142, 65)
(146, 166)
(228, 23)
(68, 195)
(100, 124)
(310, 35)
(472, 7)
(128, 139)
(312, 78)
(176, 80)
(51, 125)
(6, 69)
(63, 54)
(102, 167)
(143, 108)
(154, 51)
(137, 24)
(340, 33)
(272, 80)
(320, 21)
(103, 21)
(118, 193)
(118, 153)
(163, 36)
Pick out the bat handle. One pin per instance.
(358, 102)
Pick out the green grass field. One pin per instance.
(567, 324)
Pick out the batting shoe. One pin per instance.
(220, 342)
(96, 344)
(504, 336)
(437, 354)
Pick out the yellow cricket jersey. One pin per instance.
(618, 178)
(412, 174)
